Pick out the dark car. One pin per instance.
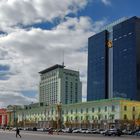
(113, 132)
(34, 129)
(137, 133)
(134, 132)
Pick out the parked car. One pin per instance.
(126, 132)
(34, 129)
(58, 130)
(103, 131)
(137, 133)
(96, 131)
(76, 130)
(134, 132)
(14, 129)
(90, 131)
(113, 132)
(43, 129)
(67, 130)
(83, 130)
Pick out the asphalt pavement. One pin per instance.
(10, 135)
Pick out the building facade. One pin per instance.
(3, 118)
(121, 113)
(114, 61)
(59, 85)
(11, 115)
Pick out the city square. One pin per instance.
(69, 70)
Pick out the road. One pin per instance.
(6, 135)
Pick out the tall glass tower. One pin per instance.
(114, 61)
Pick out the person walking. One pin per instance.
(18, 132)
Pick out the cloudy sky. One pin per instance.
(35, 33)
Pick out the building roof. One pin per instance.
(51, 68)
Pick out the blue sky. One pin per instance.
(115, 10)
(34, 34)
(96, 10)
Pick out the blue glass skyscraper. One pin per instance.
(114, 61)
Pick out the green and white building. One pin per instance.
(93, 114)
(59, 85)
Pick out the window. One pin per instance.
(105, 108)
(62, 111)
(81, 110)
(52, 112)
(125, 108)
(87, 110)
(67, 118)
(99, 109)
(112, 117)
(125, 116)
(92, 109)
(133, 109)
(71, 111)
(133, 117)
(92, 117)
(99, 117)
(113, 108)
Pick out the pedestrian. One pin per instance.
(18, 132)
(50, 131)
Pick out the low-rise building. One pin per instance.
(105, 113)
(3, 117)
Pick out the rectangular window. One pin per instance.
(113, 108)
(133, 117)
(125, 116)
(125, 108)
(105, 108)
(133, 108)
(99, 109)
(87, 110)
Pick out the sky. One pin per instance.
(35, 33)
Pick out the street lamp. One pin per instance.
(14, 116)
(58, 116)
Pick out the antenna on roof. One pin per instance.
(63, 59)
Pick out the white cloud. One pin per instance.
(106, 2)
(25, 12)
(26, 52)
(8, 97)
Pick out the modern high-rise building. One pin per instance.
(59, 85)
(114, 61)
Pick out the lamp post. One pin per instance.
(14, 116)
(58, 116)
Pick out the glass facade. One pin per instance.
(97, 67)
(115, 71)
(125, 59)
